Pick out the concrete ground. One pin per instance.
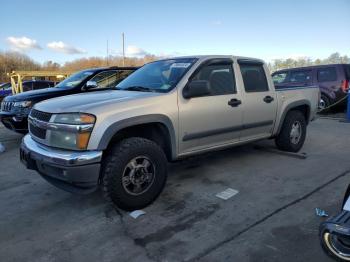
(272, 218)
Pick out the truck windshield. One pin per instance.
(75, 79)
(159, 76)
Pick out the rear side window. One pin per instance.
(279, 78)
(27, 86)
(40, 85)
(220, 78)
(254, 78)
(302, 76)
(326, 74)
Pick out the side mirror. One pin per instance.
(90, 85)
(196, 88)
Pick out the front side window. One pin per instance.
(74, 80)
(110, 79)
(159, 76)
(105, 79)
(279, 78)
(254, 78)
(303, 76)
(220, 78)
(326, 74)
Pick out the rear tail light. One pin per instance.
(345, 85)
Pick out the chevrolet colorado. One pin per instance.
(167, 110)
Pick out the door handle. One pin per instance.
(268, 99)
(234, 102)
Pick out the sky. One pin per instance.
(269, 29)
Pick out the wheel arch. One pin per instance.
(303, 105)
(155, 127)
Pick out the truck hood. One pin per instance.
(87, 101)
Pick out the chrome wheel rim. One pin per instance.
(138, 175)
(295, 133)
(337, 246)
(322, 104)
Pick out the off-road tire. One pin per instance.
(115, 163)
(283, 140)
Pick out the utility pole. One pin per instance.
(123, 43)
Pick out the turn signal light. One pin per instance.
(345, 86)
(83, 140)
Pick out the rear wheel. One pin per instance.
(293, 132)
(324, 103)
(134, 173)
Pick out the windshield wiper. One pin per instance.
(137, 88)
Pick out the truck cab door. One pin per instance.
(259, 102)
(213, 119)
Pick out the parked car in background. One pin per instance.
(167, 110)
(5, 90)
(333, 81)
(15, 109)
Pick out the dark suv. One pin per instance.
(15, 109)
(333, 81)
(5, 89)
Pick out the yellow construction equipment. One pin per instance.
(18, 76)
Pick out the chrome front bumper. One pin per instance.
(59, 157)
(74, 171)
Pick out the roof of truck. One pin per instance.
(215, 56)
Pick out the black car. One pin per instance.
(15, 109)
(5, 89)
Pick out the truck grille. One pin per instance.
(40, 115)
(7, 106)
(37, 131)
(34, 130)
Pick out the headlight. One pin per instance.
(23, 104)
(74, 119)
(71, 131)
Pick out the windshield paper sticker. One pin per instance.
(180, 65)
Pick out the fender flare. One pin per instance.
(138, 120)
(289, 107)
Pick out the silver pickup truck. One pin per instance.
(170, 109)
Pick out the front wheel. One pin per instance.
(293, 132)
(134, 173)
